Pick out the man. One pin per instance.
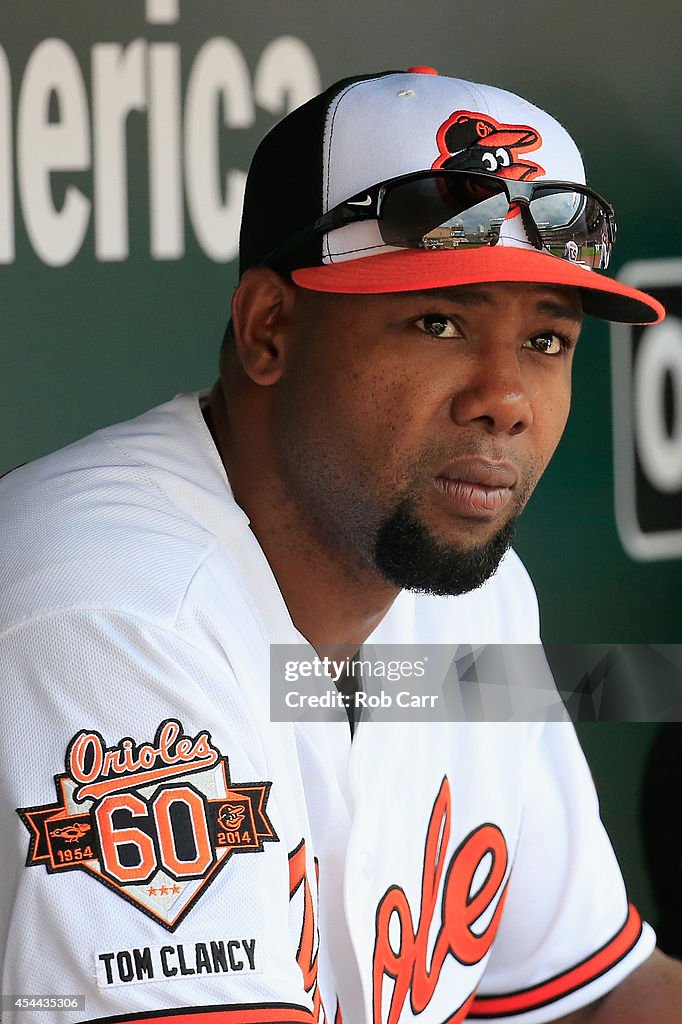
(394, 381)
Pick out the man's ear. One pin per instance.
(262, 307)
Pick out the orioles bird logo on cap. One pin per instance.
(477, 142)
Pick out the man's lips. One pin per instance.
(477, 488)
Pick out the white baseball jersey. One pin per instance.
(170, 853)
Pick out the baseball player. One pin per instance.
(417, 253)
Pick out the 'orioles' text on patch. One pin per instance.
(154, 821)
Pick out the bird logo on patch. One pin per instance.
(477, 142)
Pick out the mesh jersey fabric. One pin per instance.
(132, 594)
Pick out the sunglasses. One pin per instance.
(455, 209)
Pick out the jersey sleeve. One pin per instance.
(147, 866)
(567, 934)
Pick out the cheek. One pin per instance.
(336, 416)
(550, 417)
(396, 412)
(372, 403)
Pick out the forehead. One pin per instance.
(556, 301)
(553, 300)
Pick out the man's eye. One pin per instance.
(549, 343)
(437, 326)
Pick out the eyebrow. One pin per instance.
(549, 307)
(476, 297)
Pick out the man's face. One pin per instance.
(412, 428)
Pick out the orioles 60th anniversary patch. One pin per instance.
(155, 822)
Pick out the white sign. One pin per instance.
(647, 418)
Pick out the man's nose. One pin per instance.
(494, 395)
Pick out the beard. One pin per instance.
(409, 556)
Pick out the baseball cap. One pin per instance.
(420, 132)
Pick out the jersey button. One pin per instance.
(366, 864)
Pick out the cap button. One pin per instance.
(421, 69)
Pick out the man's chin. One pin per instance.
(410, 556)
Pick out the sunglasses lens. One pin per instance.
(573, 225)
(460, 210)
(445, 212)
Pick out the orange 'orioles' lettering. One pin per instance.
(413, 967)
(90, 763)
(306, 956)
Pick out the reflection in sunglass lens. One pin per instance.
(556, 209)
(442, 213)
(452, 211)
(572, 225)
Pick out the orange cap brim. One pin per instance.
(417, 270)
